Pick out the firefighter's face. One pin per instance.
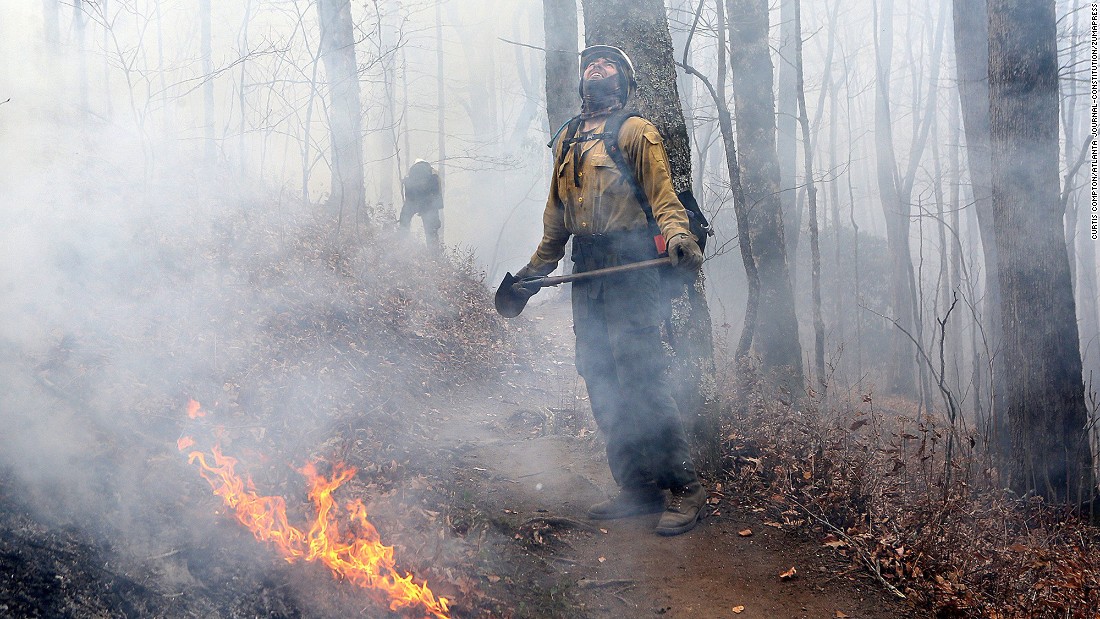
(600, 68)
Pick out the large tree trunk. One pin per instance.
(559, 23)
(776, 335)
(640, 28)
(971, 28)
(1043, 391)
(345, 112)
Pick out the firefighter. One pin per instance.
(423, 197)
(616, 318)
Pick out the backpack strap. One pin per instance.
(697, 220)
(569, 128)
(610, 136)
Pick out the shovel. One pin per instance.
(509, 304)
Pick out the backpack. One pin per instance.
(697, 221)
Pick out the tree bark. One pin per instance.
(345, 112)
(559, 19)
(786, 133)
(1043, 391)
(776, 333)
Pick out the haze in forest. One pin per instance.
(117, 130)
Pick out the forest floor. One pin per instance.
(528, 458)
(486, 506)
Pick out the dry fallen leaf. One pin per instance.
(737, 610)
(602, 559)
(840, 615)
(789, 574)
(745, 532)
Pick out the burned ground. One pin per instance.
(476, 458)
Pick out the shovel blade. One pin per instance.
(507, 302)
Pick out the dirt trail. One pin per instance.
(527, 459)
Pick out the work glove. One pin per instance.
(685, 252)
(530, 271)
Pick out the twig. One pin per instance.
(867, 559)
(600, 584)
(561, 521)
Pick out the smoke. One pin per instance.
(136, 277)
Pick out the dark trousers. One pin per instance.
(429, 217)
(622, 360)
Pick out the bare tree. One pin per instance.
(811, 192)
(787, 131)
(559, 19)
(971, 29)
(209, 147)
(776, 334)
(725, 124)
(345, 112)
(1043, 393)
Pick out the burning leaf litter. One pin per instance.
(355, 554)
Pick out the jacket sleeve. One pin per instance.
(643, 145)
(554, 234)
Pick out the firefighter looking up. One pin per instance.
(616, 318)
(423, 197)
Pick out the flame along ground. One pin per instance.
(358, 557)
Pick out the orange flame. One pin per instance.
(184, 442)
(194, 410)
(360, 559)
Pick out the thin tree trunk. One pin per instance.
(811, 193)
(441, 100)
(242, 155)
(776, 334)
(560, 31)
(80, 22)
(209, 147)
(903, 368)
(345, 114)
(740, 206)
(1043, 393)
(51, 25)
(786, 133)
(389, 38)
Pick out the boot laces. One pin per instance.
(677, 499)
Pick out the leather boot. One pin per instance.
(682, 512)
(629, 502)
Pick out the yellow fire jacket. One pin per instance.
(594, 198)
